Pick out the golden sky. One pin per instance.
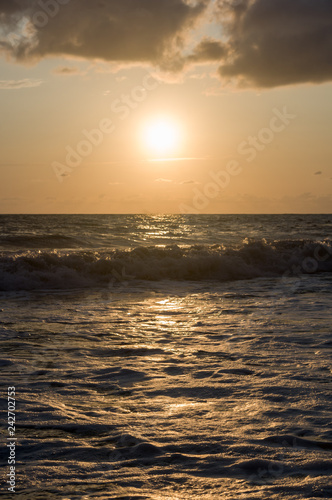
(173, 106)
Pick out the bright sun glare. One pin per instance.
(161, 137)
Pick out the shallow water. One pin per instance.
(172, 389)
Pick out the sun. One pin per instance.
(161, 136)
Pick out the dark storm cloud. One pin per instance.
(278, 42)
(111, 30)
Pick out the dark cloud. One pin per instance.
(264, 43)
(278, 42)
(9, 6)
(208, 50)
(110, 30)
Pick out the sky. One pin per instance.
(166, 106)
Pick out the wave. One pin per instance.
(83, 269)
(39, 241)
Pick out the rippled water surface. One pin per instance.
(168, 358)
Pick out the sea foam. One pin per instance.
(68, 269)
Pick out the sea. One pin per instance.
(166, 357)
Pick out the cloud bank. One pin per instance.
(111, 30)
(278, 42)
(263, 43)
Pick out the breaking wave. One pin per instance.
(38, 270)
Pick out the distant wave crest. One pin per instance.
(43, 270)
(39, 241)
